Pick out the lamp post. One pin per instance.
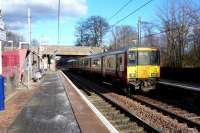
(30, 57)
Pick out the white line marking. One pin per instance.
(10, 96)
(107, 83)
(94, 109)
(181, 86)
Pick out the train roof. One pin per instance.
(115, 51)
(72, 60)
(111, 52)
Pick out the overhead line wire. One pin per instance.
(118, 11)
(133, 12)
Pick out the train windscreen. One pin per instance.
(144, 58)
(132, 58)
(148, 58)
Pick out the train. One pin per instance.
(131, 68)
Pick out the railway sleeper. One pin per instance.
(95, 96)
(129, 127)
(122, 126)
(109, 110)
(113, 115)
(118, 121)
(132, 131)
(93, 100)
(119, 116)
(116, 112)
(195, 118)
(122, 122)
(100, 102)
(102, 105)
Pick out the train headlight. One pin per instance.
(154, 74)
(132, 75)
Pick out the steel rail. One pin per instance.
(121, 107)
(171, 114)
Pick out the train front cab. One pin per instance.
(143, 68)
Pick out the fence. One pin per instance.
(181, 74)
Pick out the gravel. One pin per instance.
(156, 119)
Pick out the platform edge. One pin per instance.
(92, 107)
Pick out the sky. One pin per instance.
(44, 16)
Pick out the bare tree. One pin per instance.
(149, 28)
(81, 35)
(34, 42)
(91, 31)
(16, 38)
(176, 22)
(122, 36)
(195, 38)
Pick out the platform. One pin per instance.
(86, 117)
(48, 111)
(187, 86)
(56, 108)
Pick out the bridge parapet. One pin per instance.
(67, 50)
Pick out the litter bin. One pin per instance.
(2, 94)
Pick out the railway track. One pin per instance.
(185, 116)
(192, 119)
(173, 113)
(121, 118)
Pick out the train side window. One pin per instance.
(112, 62)
(154, 58)
(108, 63)
(98, 62)
(120, 60)
(93, 63)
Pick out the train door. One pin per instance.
(132, 68)
(120, 65)
(90, 60)
(104, 66)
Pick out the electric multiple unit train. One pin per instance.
(130, 68)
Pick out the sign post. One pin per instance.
(2, 38)
(29, 57)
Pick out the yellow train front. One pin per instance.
(143, 67)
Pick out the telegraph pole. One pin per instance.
(139, 30)
(58, 41)
(29, 47)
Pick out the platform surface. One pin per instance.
(48, 111)
(87, 119)
(187, 86)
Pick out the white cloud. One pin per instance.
(16, 25)
(15, 11)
